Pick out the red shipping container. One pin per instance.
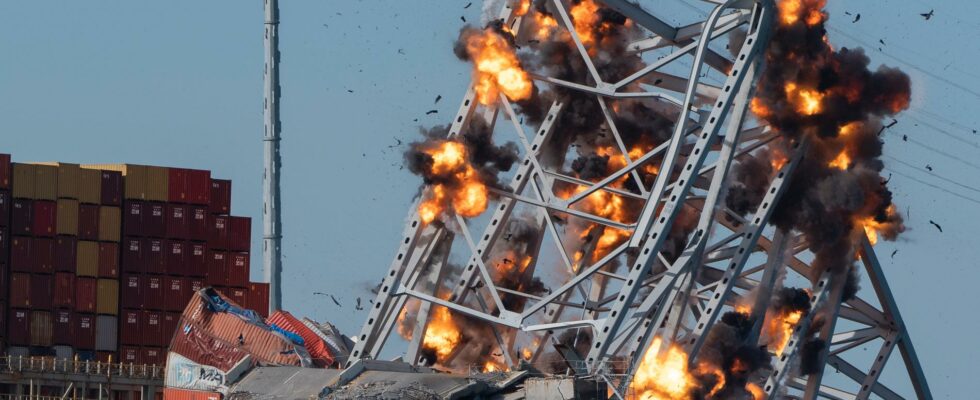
(129, 355)
(199, 187)
(217, 269)
(177, 192)
(155, 220)
(65, 256)
(19, 328)
(133, 218)
(132, 255)
(153, 294)
(178, 221)
(84, 331)
(196, 285)
(106, 356)
(196, 260)
(4, 244)
(44, 215)
(108, 260)
(170, 322)
(21, 217)
(154, 257)
(131, 291)
(131, 327)
(236, 294)
(64, 324)
(43, 255)
(21, 254)
(20, 290)
(64, 291)
(88, 222)
(238, 270)
(5, 200)
(178, 293)
(112, 189)
(152, 328)
(187, 394)
(42, 291)
(197, 223)
(153, 356)
(3, 318)
(317, 348)
(257, 298)
(86, 291)
(5, 169)
(218, 232)
(239, 234)
(176, 254)
(220, 196)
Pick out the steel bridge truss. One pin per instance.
(679, 300)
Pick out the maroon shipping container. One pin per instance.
(129, 354)
(154, 356)
(5, 200)
(176, 254)
(178, 293)
(217, 269)
(64, 290)
(86, 291)
(44, 216)
(21, 254)
(257, 298)
(220, 196)
(64, 324)
(20, 290)
(108, 260)
(239, 234)
(42, 291)
(84, 331)
(131, 327)
(131, 291)
(218, 232)
(154, 258)
(133, 213)
(153, 294)
(4, 245)
(197, 223)
(169, 325)
(88, 222)
(152, 331)
(238, 269)
(19, 328)
(132, 255)
(196, 285)
(155, 220)
(178, 221)
(196, 260)
(21, 217)
(112, 189)
(5, 171)
(43, 255)
(3, 318)
(236, 294)
(190, 186)
(65, 256)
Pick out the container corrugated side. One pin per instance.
(67, 222)
(63, 333)
(5, 204)
(44, 216)
(88, 222)
(64, 290)
(87, 261)
(90, 186)
(108, 297)
(42, 328)
(134, 178)
(5, 171)
(43, 255)
(23, 181)
(112, 188)
(158, 184)
(106, 333)
(86, 292)
(185, 394)
(65, 254)
(84, 331)
(110, 223)
(69, 179)
(45, 182)
(19, 327)
(220, 196)
(202, 348)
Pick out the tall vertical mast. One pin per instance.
(271, 223)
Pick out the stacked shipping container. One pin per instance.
(103, 258)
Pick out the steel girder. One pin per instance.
(679, 300)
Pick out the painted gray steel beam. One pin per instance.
(271, 191)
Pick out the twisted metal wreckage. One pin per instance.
(639, 299)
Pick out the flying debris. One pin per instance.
(905, 138)
(928, 15)
(401, 51)
(882, 41)
(358, 305)
(894, 253)
(856, 18)
(468, 5)
(936, 225)
(462, 18)
(929, 167)
(350, 91)
(438, 97)
(335, 301)
(430, 112)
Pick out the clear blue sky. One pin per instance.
(179, 83)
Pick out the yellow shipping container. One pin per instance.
(158, 183)
(45, 182)
(67, 221)
(134, 178)
(87, 258)
(90, 187)
(24, 181)
(110, 222)
(107, 301)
